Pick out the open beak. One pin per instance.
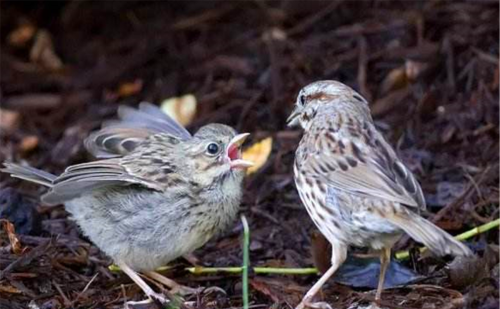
(233, 152)
(293, 119)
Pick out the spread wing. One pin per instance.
(366, 166)
(82, 178)
(120, 137)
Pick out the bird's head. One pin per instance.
(317, 95)
(214, 153)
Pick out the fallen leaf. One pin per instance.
(130, 88)
(321, 251)
(181, 109)
(258, 154)
(20, 36)
(390, 101)
(262, 287)
(14, 241)
(464, 271)
(42, 52)
(9, 120)
(395, 79)
(28, 143)
(9, 289)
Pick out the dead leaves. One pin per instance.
(182, 109)
(40, 44)
(258, 153)
(20, 36)
(11, 234)
(42, 52)
(9, 120)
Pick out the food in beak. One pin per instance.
(233, 152)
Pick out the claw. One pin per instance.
(306, 303)
(183, 290)
(154, 297)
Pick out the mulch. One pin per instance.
(430, 70)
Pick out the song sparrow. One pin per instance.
(156, 194)
(352, 183)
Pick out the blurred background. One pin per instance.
(429, 68)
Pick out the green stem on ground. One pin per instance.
(246, 260)
(401, 255)
(257, 270)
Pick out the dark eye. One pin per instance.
(302, 99)
(212, 149)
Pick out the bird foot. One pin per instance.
(183, 290)
(308, 304)
(187, 291)
(154, 297)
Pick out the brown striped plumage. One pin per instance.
(352, 183)
(156, 193)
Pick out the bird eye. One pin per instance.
(302, 99)
(213, 149)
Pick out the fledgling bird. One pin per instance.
(352, 183)
(156, 193)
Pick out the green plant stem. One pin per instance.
(257, 270)
(246, 260)
(402, 255)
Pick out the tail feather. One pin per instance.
(434, 238)
(29, 173)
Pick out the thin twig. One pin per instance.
(84, 289)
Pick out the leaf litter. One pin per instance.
(244, 67)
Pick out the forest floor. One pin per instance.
(430, 70)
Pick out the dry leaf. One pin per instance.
(14, 242)
(42, 52)
(8, 289)
(395, 79)
(130, 88)
(258, 154)
(20, 36)
(9, 120)
(28, 143)
(181, 109)
(321, 251)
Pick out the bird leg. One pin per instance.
(152, 295)
(174, 287)
(339, 254)
(385, 259)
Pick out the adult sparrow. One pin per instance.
(156, 193)
(352, 183)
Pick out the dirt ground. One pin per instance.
(430, 70)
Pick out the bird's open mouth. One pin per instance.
(233, 152)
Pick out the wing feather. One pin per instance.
(81, 178)
(367, 169)
(119, 137)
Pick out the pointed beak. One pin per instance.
(293, 119)
(233, 152)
